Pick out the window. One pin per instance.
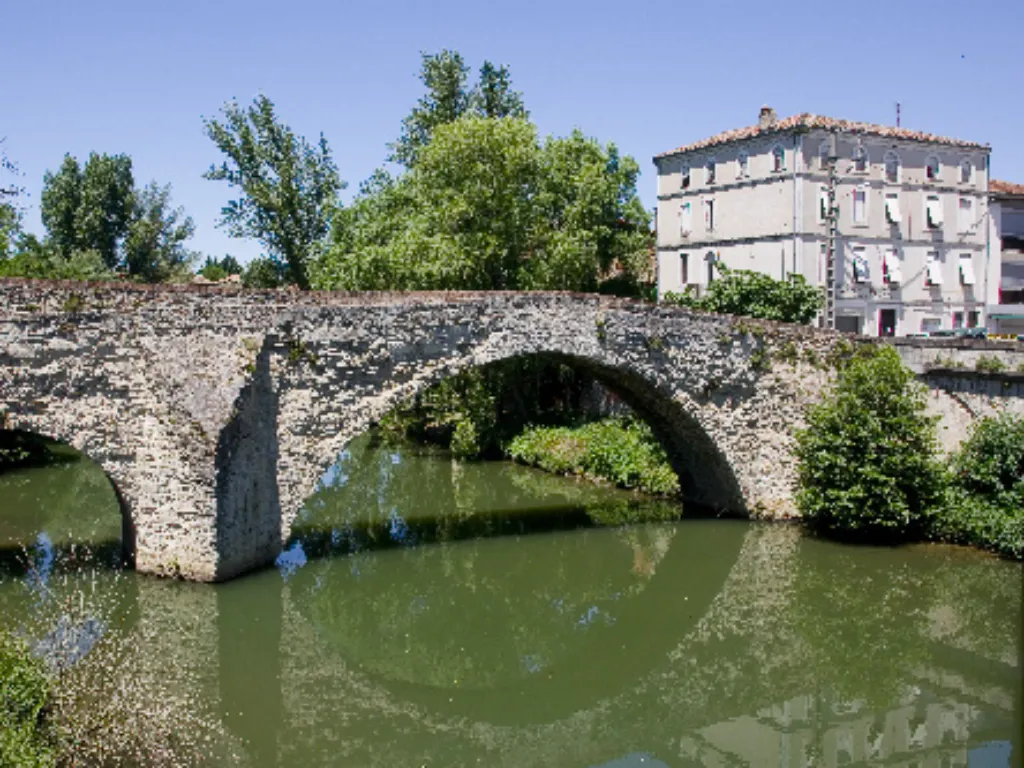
(685, 219)
(933, 268)
(860, 205)
(709, 214)
(966, 171)
(929, 324)
(965, 215)
(892, 272)
(892, 207)
(973, 316)
(932, 168)
(892, 167)
(823, 203)
(743, 165)
(958, 320)
(684, 270)
(860, 265)
(778, 159)
(966, 269)
(933, 211)
(710, 260)
(860, 159)
(823, 155)
(709, 171)
(685, 182)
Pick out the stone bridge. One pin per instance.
(215, 411)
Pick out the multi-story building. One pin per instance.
(1007, 235)
(912, 251)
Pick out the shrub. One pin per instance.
(867, 457)
(26, 736)
(989, 364)
(985, 503)
(621, 451)
(753, 294)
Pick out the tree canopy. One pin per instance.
(449, 97)
(489, 206)
(288, 187)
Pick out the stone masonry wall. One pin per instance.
(215, 411)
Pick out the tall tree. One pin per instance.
(59, 204)
(448, 98)
(493, 95)
(289, 188)
(89, 208)
(154, 249)
(107, 205)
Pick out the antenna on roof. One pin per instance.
(897, 114)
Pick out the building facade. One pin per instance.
(1007, 235)
(912, 252)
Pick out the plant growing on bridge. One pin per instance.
(868, 465)
(753, 294)
(289, 188)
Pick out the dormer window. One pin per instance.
(685, 182)
(932, 168)
(743, 165)
(823, 155)
(966, 171)
(860, 159)
(778, 159)
(892, 167)
(709, 171)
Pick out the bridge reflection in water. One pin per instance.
(699, 642)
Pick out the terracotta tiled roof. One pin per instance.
(809, 121)
(997, 187)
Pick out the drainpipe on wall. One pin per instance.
(988, 238)
(798, 143)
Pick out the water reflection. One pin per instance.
(667, 643)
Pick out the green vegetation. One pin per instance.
(985, 501)
(989, 364)
(485, 204)
(218, 269)
(289, 188)
(99, 227)
(27, 737)
(867, 457)
(621, 451)
(753, 294)
(869, 466)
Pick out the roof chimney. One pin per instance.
(767, 118)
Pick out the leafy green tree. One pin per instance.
(450, 97)
(493, 95)
(289, 188)
(487, 207)
(445, 76)
(867, 458)
(60, 202)
(754, 294)
(264, 272)
(218, 269)
(28, 737)
(107, 205)
(154, 249)
(10, 229)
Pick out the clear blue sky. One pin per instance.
(137, 77)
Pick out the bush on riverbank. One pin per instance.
(26, 735)
(985, 500)
(868, 466)
(621, 451)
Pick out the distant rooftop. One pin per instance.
(1004, 188)
(769, 125)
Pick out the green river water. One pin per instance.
(435, 613)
